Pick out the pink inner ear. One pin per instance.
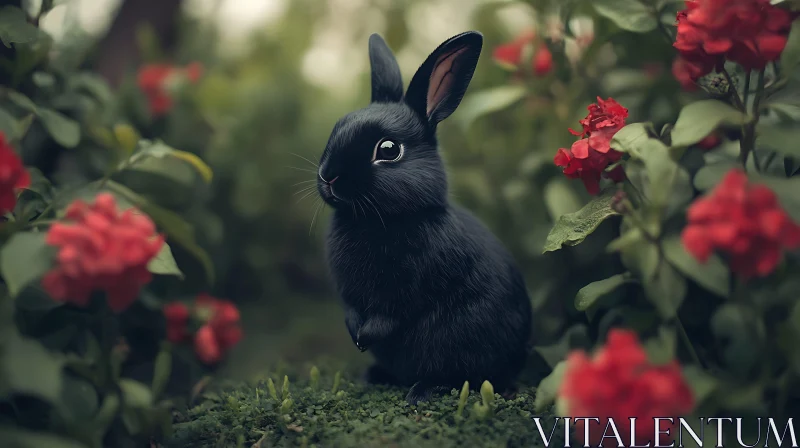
(442, 77)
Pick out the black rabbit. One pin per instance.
(426, 287)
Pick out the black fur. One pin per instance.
(427, 288)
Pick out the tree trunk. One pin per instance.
(118, 51)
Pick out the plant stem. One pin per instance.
(732, 88)
(688, 343)
(42, 222)
(746, 88)
(759, 95)
(748, 142)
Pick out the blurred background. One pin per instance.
(277, 74)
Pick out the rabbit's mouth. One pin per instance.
(327, 193)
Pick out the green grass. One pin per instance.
(353, 414)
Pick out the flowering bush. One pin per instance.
(709, 226)
(160, 82)
(86, 256)
(589, 157)
(619, 383)
(217, 323)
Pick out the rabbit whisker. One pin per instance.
(304, 182)
(314, 218)
(374, 207)
(304, 189)
(306, 195)
(302, 169)
(298, 155)
(358, 202)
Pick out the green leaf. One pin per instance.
(712, 275)
(668, 184)
(107, 412)
(547, 391)
(35, 198)
(79, 398)
(785, 112)
(22, 101)
(152, 158)
(24, 259)
(740, 397)
(92, 84)
(592, 292)
(576, 336)
(162, 371)
(164, 263)
(787, 190)
(702, 383)
(630, 15)
(700, 118)
(15, 437)
(783, 139)
(8, 124)
(27, 368)
(14, 27)
(631, 138)
(65, 131)
(664, 286)
(488, 101)
(35, 298)
(627, 238)
(560, 198)
(22, 127)
(135, 394)
(43, 80)
(666, 290)
(790, 58)
(137, 406)
(662, 348)
(742, 335)
(709, 176)
(571, 229)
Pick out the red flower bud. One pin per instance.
(13, 175)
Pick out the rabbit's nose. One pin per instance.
(329, 182)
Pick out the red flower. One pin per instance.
(101, 249)
(711, 141)
(177, 316)
(588, 158)
(13, 175)
(687, 70)
(619, 383)
(219, 326)
(606, 116)
(206, 345)
(743, 221)
(748, 32)
(510, 55)
(542, 61)
(154, 81)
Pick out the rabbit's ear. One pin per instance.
(387, 82)
(439, 85)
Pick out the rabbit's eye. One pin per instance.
(387, 151)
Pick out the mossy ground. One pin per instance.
(355, 415)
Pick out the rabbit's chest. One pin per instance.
(384, 271)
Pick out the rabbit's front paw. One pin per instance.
(353, 322)
(374, 329)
